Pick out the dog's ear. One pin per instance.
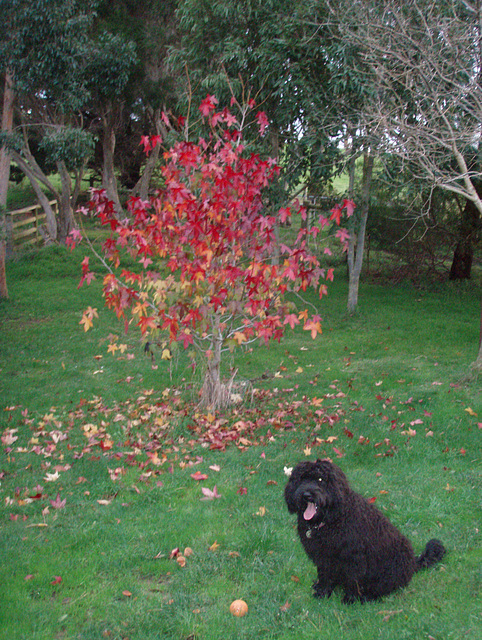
(290, 495)
(324, 467)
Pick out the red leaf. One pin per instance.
(336, 214)
(199, 476)
(58, 503)
(146, 143)
(350, 206)
(56, 580)
(208, 105)
(263, 122)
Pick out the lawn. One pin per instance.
(105, 529)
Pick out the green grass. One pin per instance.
(382, 393)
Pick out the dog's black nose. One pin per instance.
(307, 495)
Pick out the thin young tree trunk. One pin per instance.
(215, 394)
(7, 124)
(357, 257)
(109, 181)
(352, 225)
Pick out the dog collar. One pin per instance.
(310, 531)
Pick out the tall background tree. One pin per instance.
(7, 124)
(425, 62)
(43, 47)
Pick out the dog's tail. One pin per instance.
(434, 552)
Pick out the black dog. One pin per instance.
(352, 544)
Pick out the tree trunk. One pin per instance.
(476, 367)
(142, 185)
(66, 215)
(7, 124)
(109, 181)
(51, 220)
(215, 394)
(464, 250)
(462, 261)
(357, 240)
(350, 256)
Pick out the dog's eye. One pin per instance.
(320, 479)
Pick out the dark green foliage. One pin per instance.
(68, 145)
(44, 43)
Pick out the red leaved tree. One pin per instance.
(205, 245)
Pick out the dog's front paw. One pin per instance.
(322, 590)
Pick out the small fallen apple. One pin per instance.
(238, 608)
(181, 561)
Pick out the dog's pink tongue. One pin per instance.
(310, 511)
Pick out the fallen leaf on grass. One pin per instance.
(199, 476)
(90, 429)
(58, 503)
(417, 421)
(9, 437)
(285, 607)
(56, 580)
(471, 412)
(261, 511)
(51, 477)
(210, 495)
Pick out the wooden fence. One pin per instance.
(23, 226)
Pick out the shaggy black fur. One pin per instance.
(352, 544)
